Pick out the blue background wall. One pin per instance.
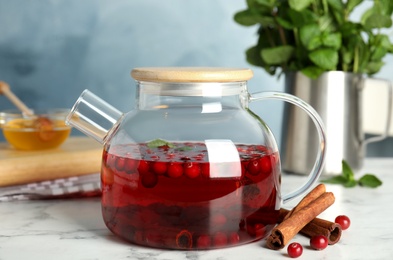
(51, 50)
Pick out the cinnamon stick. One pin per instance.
(311, 196)
(318, 226)
(287, 229)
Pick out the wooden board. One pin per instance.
(77, 156)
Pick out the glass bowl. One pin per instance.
(46, 129)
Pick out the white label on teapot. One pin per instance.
(223, 158)
(212, 107)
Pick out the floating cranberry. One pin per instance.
(184, 239)
(170, 156)
(265, 164)
(199, 157)
(219, 219)
(175, 170)
(130, 165)
(220, 239)
(257, 230)
(343, 221)
(204, 241)
(241, 150)
(295, 250)
(234, 238)
(120, 163)
(143, 167)
(160, 168)
(155, 157)
(319, 242)
(192, 170)
(149, 179)
(254, 167)
(261, 148)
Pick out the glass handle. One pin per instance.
(320, 159)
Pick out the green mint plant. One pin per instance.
(314, 36)
(347, 178)
(159, 143)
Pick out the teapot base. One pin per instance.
(190, 237)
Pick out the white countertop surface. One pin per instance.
(74, 229)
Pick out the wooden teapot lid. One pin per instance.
(191, 74)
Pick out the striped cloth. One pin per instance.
(77, 186)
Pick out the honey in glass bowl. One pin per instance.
(44, 130)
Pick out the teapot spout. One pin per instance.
(93, 116)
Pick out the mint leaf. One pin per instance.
(325, 58)
(347, 178)
(347, 171)
(277, 55)
(350, 184)
(310, 36)
(312, 72)
(336, 180)
(158, 143)
(299, 5)
(332, 40)
(369, 180)
(341, 179)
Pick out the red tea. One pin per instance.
(187, 196)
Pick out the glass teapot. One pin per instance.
(191, 167)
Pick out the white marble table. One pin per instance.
(73, 229)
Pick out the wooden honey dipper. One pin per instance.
(41, 123)
(6, 91)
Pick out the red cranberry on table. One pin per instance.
(294, 250)
(343, 221)
(319, 242)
